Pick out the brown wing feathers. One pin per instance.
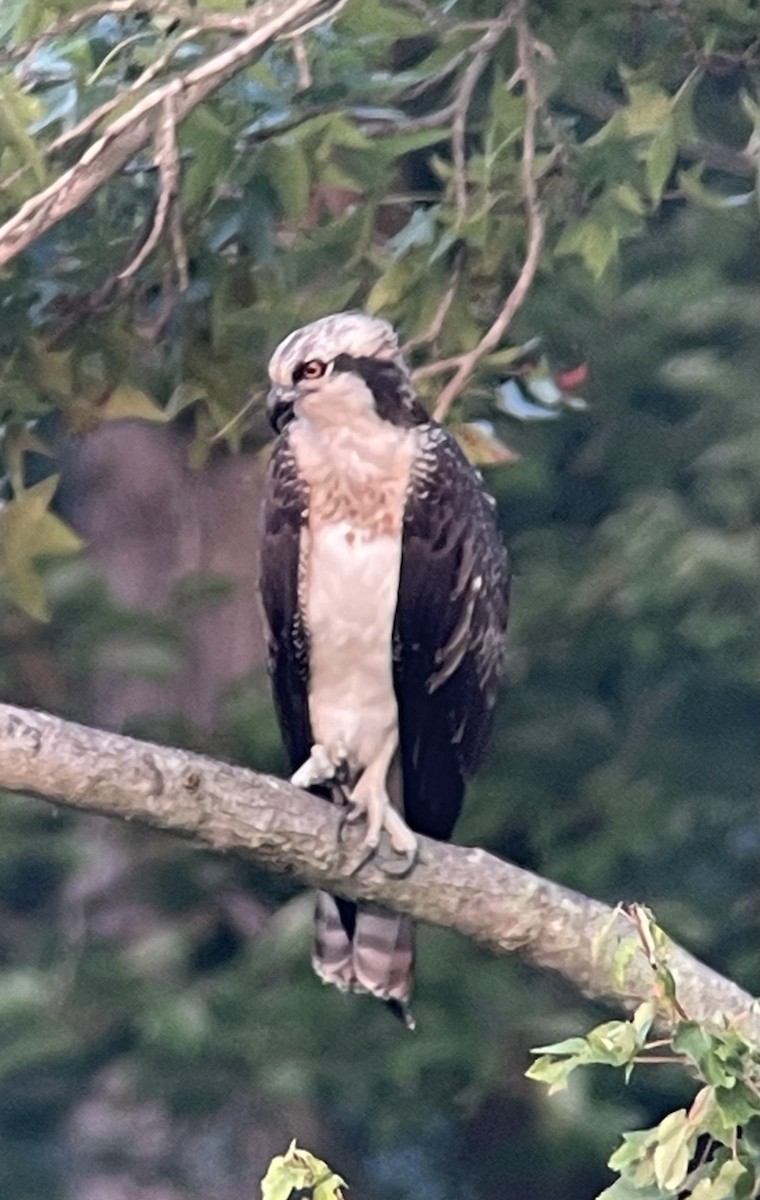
(449, 634)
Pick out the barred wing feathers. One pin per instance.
(449, 631)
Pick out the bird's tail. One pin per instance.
(365, 948)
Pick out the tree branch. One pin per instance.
(258, 817)
(467, 86)
(130, 132)
(465, 364)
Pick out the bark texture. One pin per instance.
(230, 809)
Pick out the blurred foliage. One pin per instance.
(710, 1151)
(142, 978)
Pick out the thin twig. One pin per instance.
(253, 400)
(99, 114)
(70, 24)
(114, 53)
(167, 161)
(179, 249)
(462, 101)
(301, 59)
(415, 90)
(441, 312)
(665, 1059)
(440, 118)
(465, 364)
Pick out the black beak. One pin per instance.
(280, 402)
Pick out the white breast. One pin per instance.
(351, 560)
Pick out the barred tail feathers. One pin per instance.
(365, 948)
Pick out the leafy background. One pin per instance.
(161, 1035)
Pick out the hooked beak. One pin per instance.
(280, 402)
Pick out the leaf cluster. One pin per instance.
(710, 1151)
(338, 182)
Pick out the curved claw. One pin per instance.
(350, 813)
(401, 865)
(397, 867)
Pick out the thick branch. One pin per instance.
(282, 828)
(132, 131)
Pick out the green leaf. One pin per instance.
(419, 230)
(659, 159)
(642, 1021)
(571, 1045)
(54, 370)
(624, 954)
(125, 401)
(184, 396)
(375, 19)
(721, 1186)
(676, 1139)
(690, 183)
(702, 1109)
(391, 286)
(209, 143)
(595, 242)
(554, 1071)
(16, 110)
(613, 1043)
(299, 1171)
(633, 1149)
(647, 109)
(285, 165)
(27, 532)
(692, 1040)
(626, 1189)
(682, 114)
(395, 145)
(737, 1104)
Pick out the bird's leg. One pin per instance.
(370, 798)
(318, 768)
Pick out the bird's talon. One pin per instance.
(396, 865)
(349, 816)
(400, 866)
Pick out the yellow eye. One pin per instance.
(313, 369)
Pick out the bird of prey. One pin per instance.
(384, 584)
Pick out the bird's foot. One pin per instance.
(384, 823)
(395, 864)
(318, 768)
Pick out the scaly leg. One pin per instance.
(370, 798)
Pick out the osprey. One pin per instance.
(384, 584)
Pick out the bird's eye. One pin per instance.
(313, 369)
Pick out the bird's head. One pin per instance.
(342, 364)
